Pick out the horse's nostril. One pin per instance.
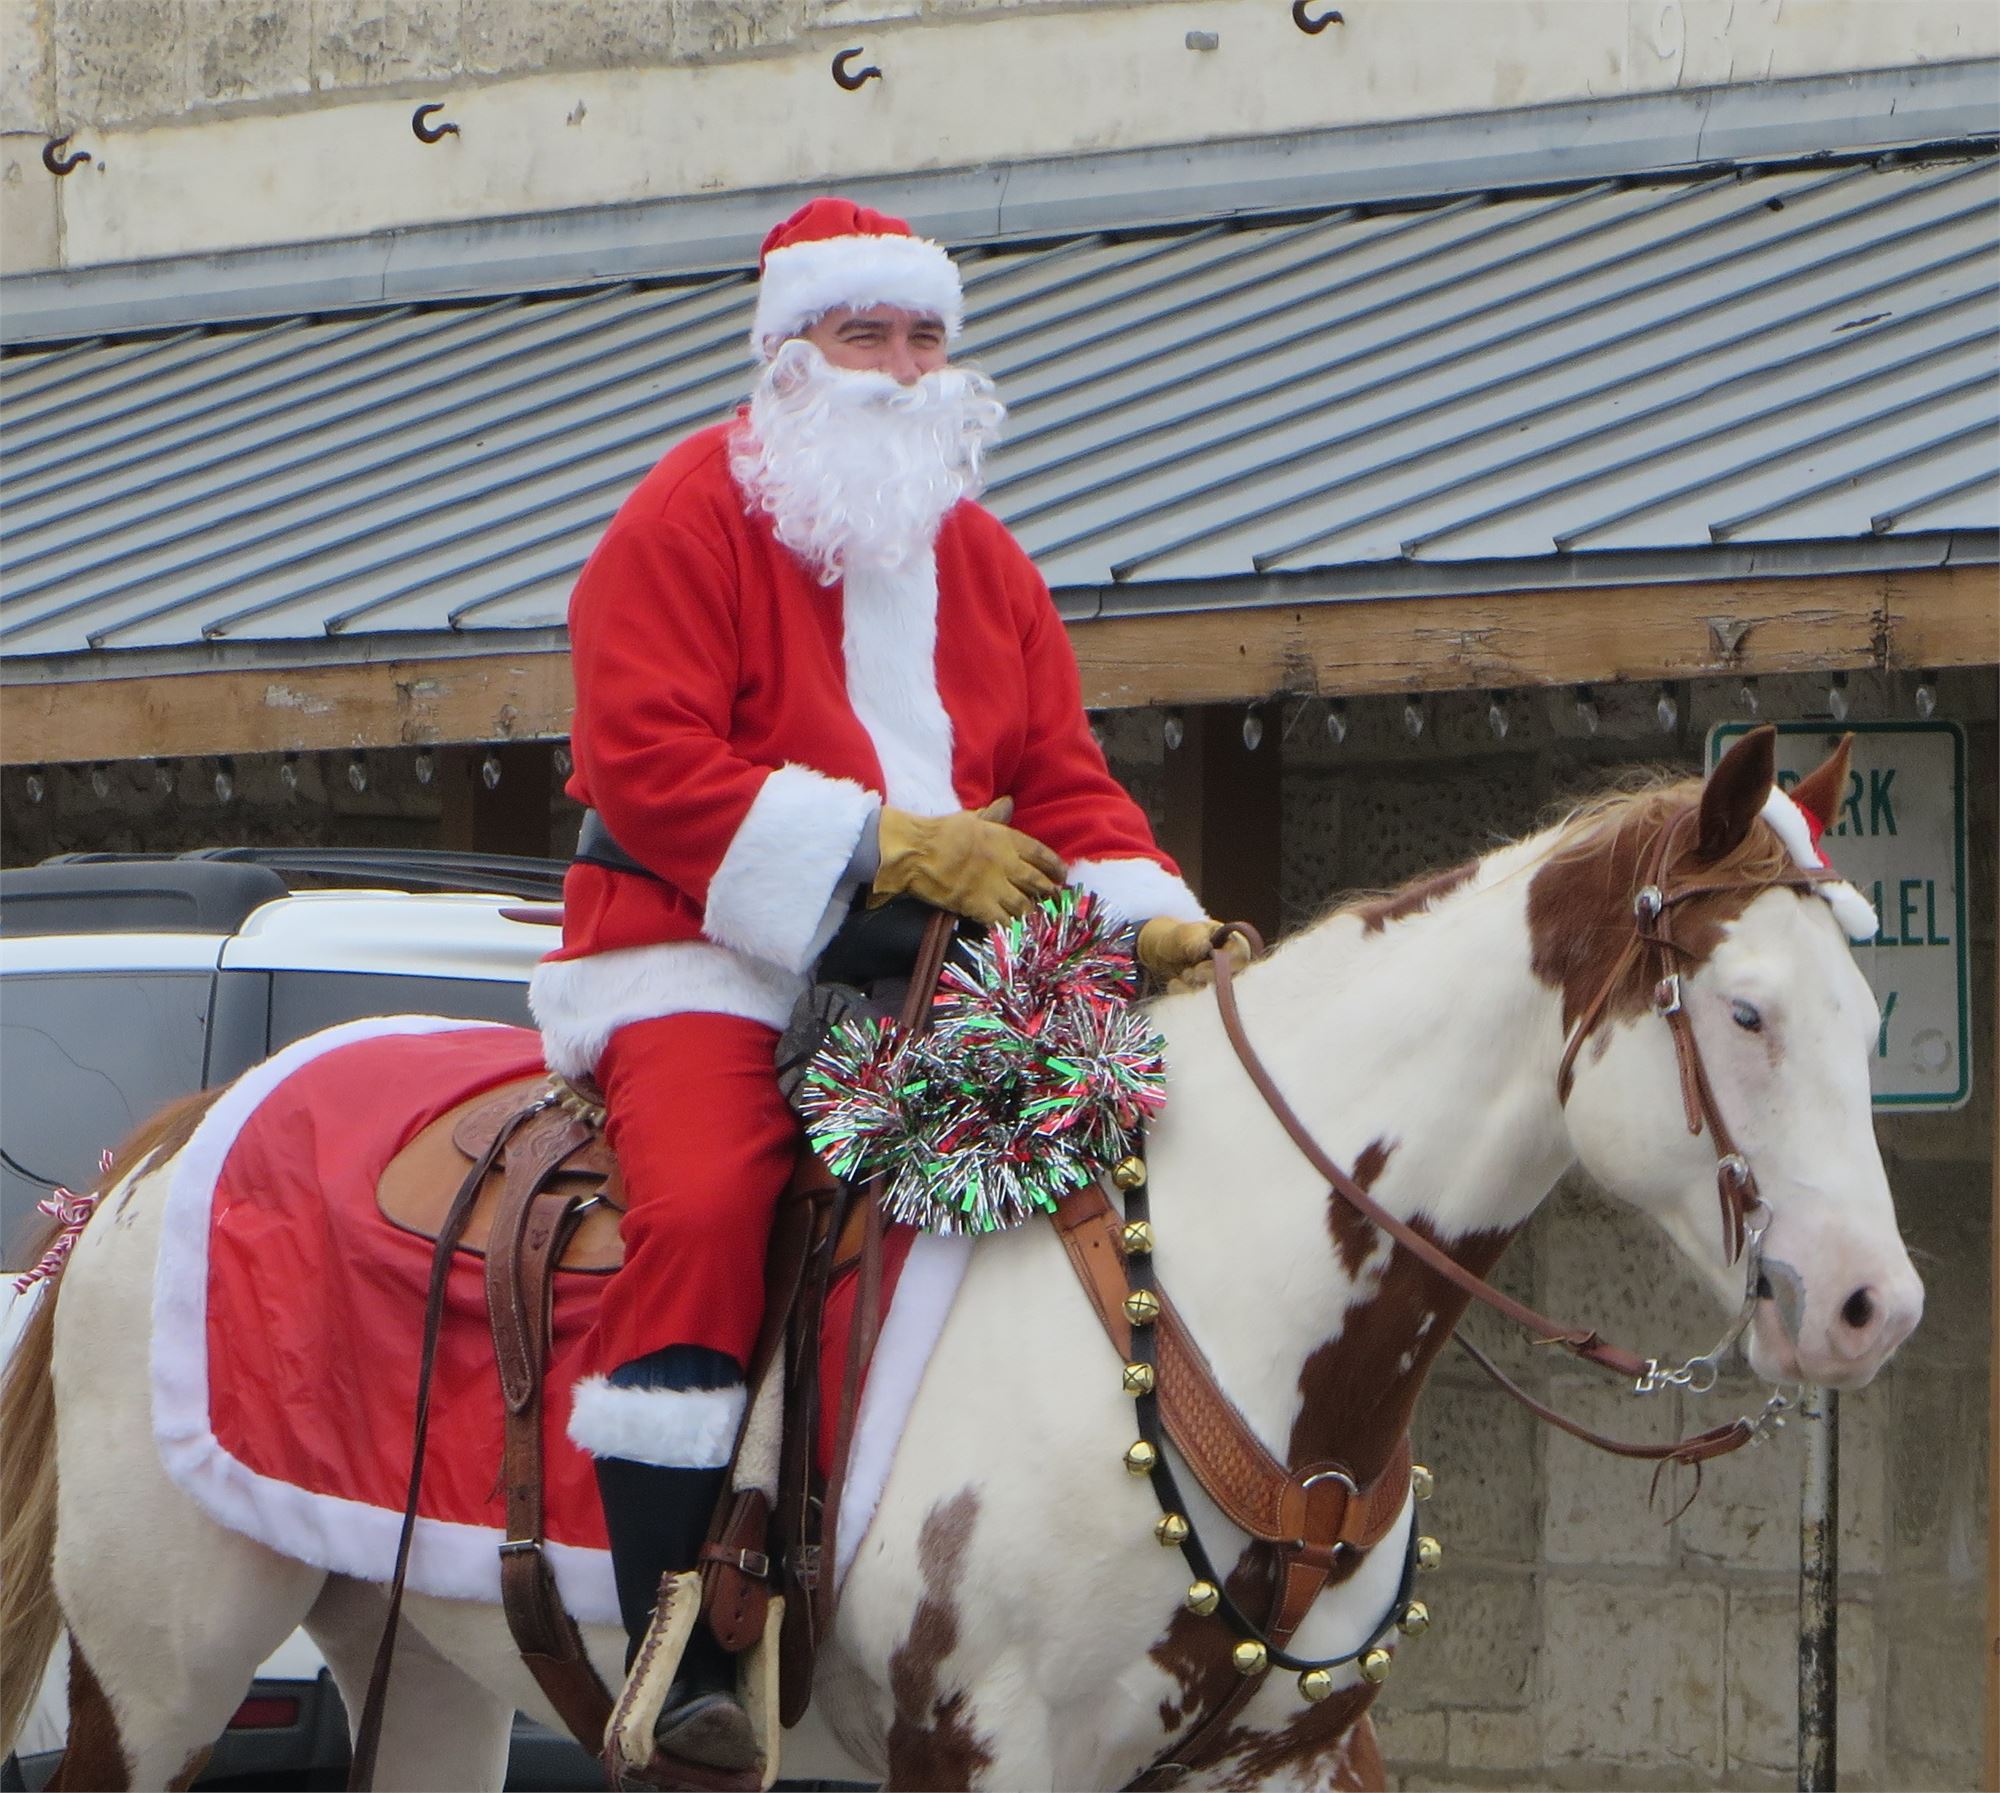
(1860, 1309)
(1763, 1287)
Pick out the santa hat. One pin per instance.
(832, 252)
(1800, 829)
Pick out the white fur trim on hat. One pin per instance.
(1136, 889)
(771, 894)
(676, 1428)
(804, 281)
(1851, 909)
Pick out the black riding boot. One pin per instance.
(657, 1518)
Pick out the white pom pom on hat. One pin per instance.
(832, 252)
(1800, 830)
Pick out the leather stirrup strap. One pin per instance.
(865, 1324)
(368, 1729)
(519, 1287)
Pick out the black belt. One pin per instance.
(596, 846)
(870, 945)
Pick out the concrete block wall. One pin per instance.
(112, 62)
(1583, 1638)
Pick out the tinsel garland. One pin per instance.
(1032, 1079)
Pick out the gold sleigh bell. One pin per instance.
(1250, 1657)
(1138, 1378)
(1316, 1684)
(1140, 1458)
(1171, 1530)
(1430, 1553)
(1414, 1620)
(1375, 1666)
(1129, 1173)
(1142, 1307)
(1202, 1598)
(1422, 1483)
(1137, 1237)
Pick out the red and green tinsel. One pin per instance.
(1034, 1077)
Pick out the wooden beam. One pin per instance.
(511, 816)
(1587, 636)
(1223, 812)
(1930, 617)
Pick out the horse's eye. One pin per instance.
(1746, 1017)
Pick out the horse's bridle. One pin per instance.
(1744, 1214)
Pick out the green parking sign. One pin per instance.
(1900, 839)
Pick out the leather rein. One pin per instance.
(1744, 1213)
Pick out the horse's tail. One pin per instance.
(30, 1618)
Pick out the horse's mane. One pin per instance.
(1582, 870)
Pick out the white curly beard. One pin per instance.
(854, 469)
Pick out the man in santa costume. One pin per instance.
(811, 673)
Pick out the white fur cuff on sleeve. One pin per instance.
(677, 1428)
(770, 895)
(1137, 889)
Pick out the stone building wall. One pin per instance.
(1581, 1639)
(211, 123)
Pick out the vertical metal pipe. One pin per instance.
(1819, 1591)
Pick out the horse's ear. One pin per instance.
(1733, 797)
(1822, 790)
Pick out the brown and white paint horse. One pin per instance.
(1009, 1620)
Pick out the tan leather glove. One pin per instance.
(1177, 952)
(970, 863)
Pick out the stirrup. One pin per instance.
(630, 1753)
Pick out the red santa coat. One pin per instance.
(738, 723)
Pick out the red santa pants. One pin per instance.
(706, 1144)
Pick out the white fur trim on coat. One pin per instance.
(889, 627)
(804, 281)
(676, 1428)
(770, 895)
(1135, 890)
(580, 1003)
(1851, 909)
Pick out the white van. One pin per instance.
(126, 980)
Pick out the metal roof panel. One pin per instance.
(1719, 356)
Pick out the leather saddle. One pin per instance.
(415, 1191)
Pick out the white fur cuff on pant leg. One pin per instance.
(676, 1428)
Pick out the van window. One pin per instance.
(84, 1058)
(303, 1002)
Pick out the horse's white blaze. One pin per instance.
(1008, 1619)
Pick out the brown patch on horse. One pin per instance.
(1196, 1653)
(1356, 1393)
(1256, 1758)
(93, 1759)
(1359, 1767)
(1411, 899)
(1581, 928)
(1354, 1236)
(931, 1739)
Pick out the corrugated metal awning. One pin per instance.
(1737, 357)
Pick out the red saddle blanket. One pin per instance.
(288, 1324)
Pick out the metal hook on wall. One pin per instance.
(1310, 26)
(853, 79)
(425, 130)
(56, 162)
